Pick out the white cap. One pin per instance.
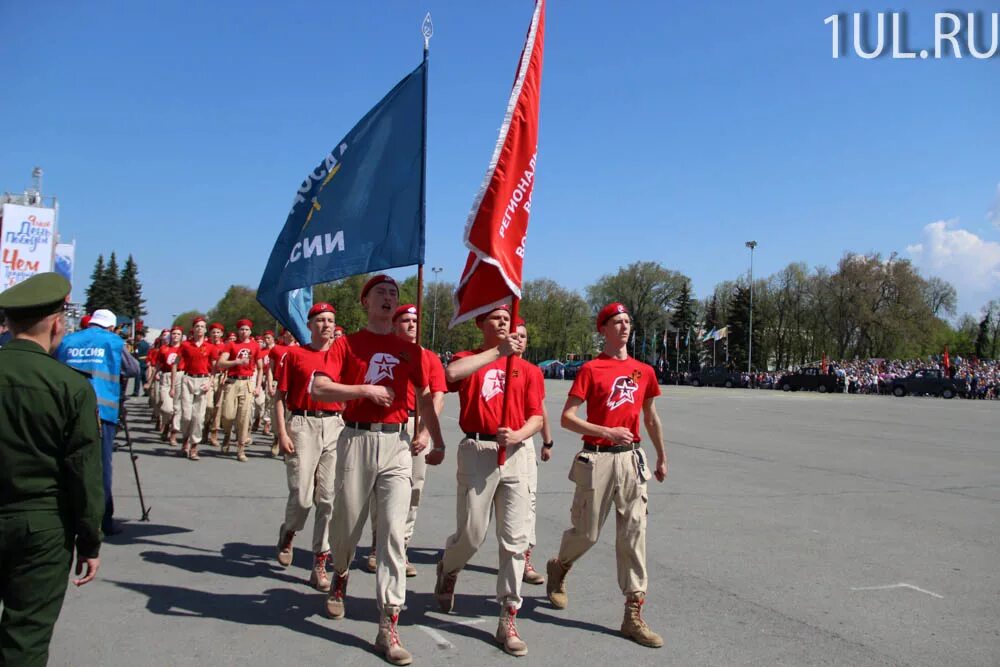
(103, 317)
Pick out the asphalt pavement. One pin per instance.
(793, 529)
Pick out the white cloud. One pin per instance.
(964, 259)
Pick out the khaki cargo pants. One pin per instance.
(311, 471)
(417, 480)
(170, 407)
(484, 489)
(194, 396)
(237, 404)
(373, 463)
(603, 479)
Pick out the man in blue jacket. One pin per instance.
(101, 354)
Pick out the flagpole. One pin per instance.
(427, 30)
(504, 414)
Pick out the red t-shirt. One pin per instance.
(297, 367)
(152, 356)
(481, 394)
(237, 350)
(166, 358)
(197, 359)
(434, 372)
(614, 391)
(365, 357)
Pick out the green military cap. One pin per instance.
(44, 293)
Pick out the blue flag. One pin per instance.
(361, 210)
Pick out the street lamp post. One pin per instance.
(434, 316)
(751, 245)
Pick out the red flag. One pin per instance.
(947, 360)
(823, 365)
(497, 227)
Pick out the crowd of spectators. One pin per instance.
(875, 376)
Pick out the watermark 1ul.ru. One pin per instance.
(872, 35)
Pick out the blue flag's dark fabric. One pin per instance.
(360, 210)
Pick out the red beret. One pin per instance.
(377, 280)
(340, 329)
(321, 307)
(482, 317)
(85, 321)
(177, 329)
(197, 319)
(268, 333)
(610, 311)
(406, 308)
(232, 335)
(519, 322)
(244, 323)
(217, 325)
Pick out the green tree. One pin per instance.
(559, 321)
(983, 337)
(186, 319)
(97, 290)
(646, 288)
(133, 304)
(116, 302)
(237, 303)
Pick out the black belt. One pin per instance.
(232, 380)
(412, 413)
(193, 375)
(316, 413)
(376, 427)
(616, 449)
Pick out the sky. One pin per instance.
(673, 132)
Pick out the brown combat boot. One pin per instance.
(371, 563)
(241, 454)
(531, 575)
(507, 635)
(319, 578)
(633, 627)
(338, 591)
(444, 588)
(285, 546)
(387, 641)
(274, 449)
(556, 587)
(411, 571)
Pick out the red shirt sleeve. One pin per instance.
(334, 359)
(281, 372)
(455, 386)
(434, 370)
(582, 383)
(535, 392)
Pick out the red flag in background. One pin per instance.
(947, 360)
(498, 224)
(824, 366)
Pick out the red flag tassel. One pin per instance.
(505, 408)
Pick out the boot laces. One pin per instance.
(528, 567)
(449, 583)
(394, 631)
(511, 623)
(320, 562)
(339, 586)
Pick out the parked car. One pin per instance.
(716, 376)
(810, 378)
(929, 381)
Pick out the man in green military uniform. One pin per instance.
(51, 491)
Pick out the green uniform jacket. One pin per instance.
(50, 445)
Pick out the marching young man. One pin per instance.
(196, 358)
(531, 575)
(169, 386)
(370, 371)
(241, 360)
(484, 487)
(308, 439)
(612, 468)
(404, 323)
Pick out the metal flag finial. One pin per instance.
(427, 30)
